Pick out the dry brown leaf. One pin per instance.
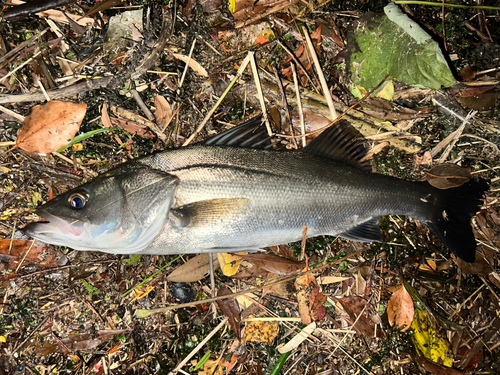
(60, 17)
(50, 126)
(445, 176)
(435, 368)
(483, 266)
(84, 341)
(105, 120)
(193, 270)
(163, 112)
(401, 309)
(275, 264)
(133, 128)
(365, 325)
(14, 251)
(193, 64)
(231, 309)
(425, 159)
(311, 300)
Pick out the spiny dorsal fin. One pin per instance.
(249, 134)
(341, 142)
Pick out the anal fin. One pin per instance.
(365, 232)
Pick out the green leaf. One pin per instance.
(133, 259)
(396, 45)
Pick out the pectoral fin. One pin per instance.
(210, 212)
(365, 232)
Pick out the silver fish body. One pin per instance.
(211, 198)
(256, 198)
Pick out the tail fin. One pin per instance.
(451, 218)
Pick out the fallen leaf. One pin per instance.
(211, 367)
(483, 264)
(133, 128)
(105, 119)
(275, 264)
(311, 300)
(425, 159)
(84, 341)
(163, 112)
(229, 263)
(401, 309)
(435, 368)
(428, 342)
(365, 324)
(142, 291)
(445, 176)
(13, 251)
(333, 279)
(50, 126)
(298, 339)
(193, 270)
(231, 309)
(193, 64)
(265, 37)
(261, 331)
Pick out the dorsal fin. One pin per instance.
(341, 142)
(249, 134)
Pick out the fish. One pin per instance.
(240, 190)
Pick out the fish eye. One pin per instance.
(77, 200)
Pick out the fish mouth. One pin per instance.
(53, 228)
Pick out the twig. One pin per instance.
(13, 352)
(187, 63)
(341, 115)
(324, 85)
(142, 105)
(451, 5)
(200, 345)
(279, 5)
(285, 105)
(20, 66)
(211, 112)
(14, 51)
(12, 113)
(456, 136)
(24, 257)
(44, 91)
(299, 105)
(212, 275)
(260, 96)
(299, 64)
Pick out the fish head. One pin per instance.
(120, 211)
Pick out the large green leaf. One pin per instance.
(394, 44)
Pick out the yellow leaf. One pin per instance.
(428, 342)
(232, 6)
(3, 339)
(211, 367)
(261, 331)
(229, 263)
(387, 92)
(142, 292)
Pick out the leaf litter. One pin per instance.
(54, 322)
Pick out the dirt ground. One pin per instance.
(158, 82)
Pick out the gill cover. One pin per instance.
(120, 211)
